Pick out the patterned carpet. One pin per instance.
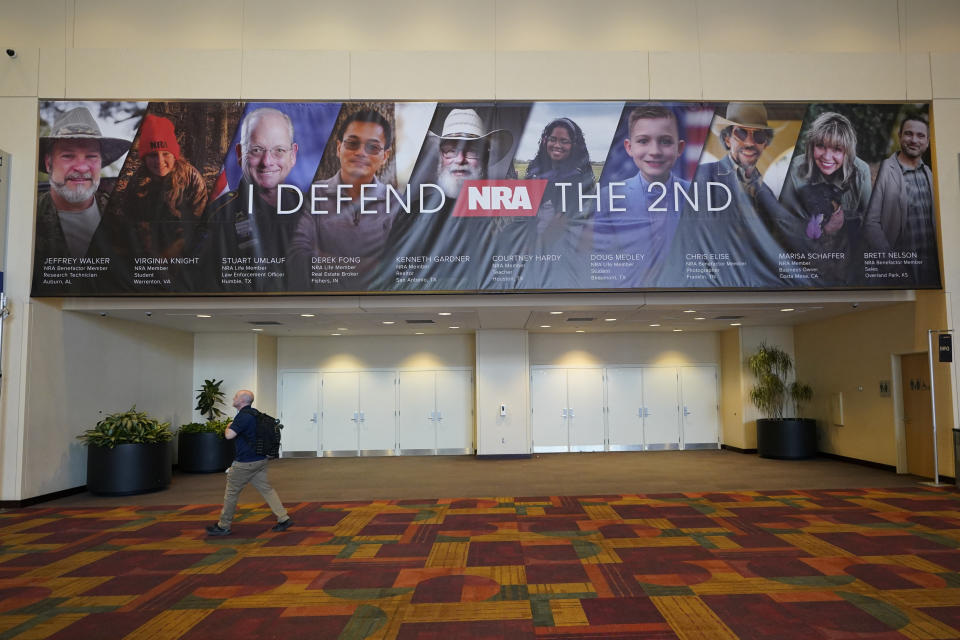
(810, 565)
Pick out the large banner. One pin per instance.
(250, 197)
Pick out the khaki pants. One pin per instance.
(238, 476)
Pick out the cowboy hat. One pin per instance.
(465, 124)
(79, 124)
(749, 115)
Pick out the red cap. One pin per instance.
(156, 134)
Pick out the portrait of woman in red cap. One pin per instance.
(166, 196)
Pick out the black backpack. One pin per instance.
(267, 441)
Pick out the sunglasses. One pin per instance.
(370, 147)
(760, 136)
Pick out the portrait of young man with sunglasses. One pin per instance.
(348, 218)
(737, 243)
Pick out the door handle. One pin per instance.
(439, 416)
(563, 413)
(640, 412)
(686, 411)
(314, 418)
(363, 418)
(356, 416)
(570, 413)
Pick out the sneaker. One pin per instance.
(216, 530)
(282, 526)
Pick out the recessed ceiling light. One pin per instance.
(689, 310)
(306, 315)
(545, 326)
(788, 309)
(609, 319)
(419, 333)
(335, 334)
(556, 313)
(444, 313)
(734, 324)
(342, 329)
(655, 324)
(388, 322)
(453, 327)
(256, 329)
(699, 318)
(677, 330)
(204, 315)
(580, 331)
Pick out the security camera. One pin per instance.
(11, 53)
(103, 314)
(855, 305)
(149, 313)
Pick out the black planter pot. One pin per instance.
(204, 452)
(129, 469)
(787, 438)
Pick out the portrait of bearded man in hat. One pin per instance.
(463, 143)
(70, 214)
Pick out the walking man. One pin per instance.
(247, 467)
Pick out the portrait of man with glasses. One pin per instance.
(339, 238)
(244, 223)
(436, 250)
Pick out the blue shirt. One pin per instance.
(245, 426)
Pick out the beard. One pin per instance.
(451, 184)
(72, 195)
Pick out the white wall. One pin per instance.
(267, 381)
(344, 353)
(503, 377)
(105, 366)
(231, 357)
(624, 348)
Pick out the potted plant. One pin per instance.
(128, 453)
(782, 434)
(202, 447)
(208, 397)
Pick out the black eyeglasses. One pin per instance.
(760, 136)
(372, 147)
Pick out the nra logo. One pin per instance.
(487, 198)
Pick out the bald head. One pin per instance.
(242, 398)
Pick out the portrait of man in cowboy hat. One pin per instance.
(70, 221)
(735, 243)
(74, 153)
(466, 150)
(462, 144)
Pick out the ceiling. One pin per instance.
(465, 314)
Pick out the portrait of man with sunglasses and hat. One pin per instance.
(352, 219)
(70, 220)
(736, 245)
